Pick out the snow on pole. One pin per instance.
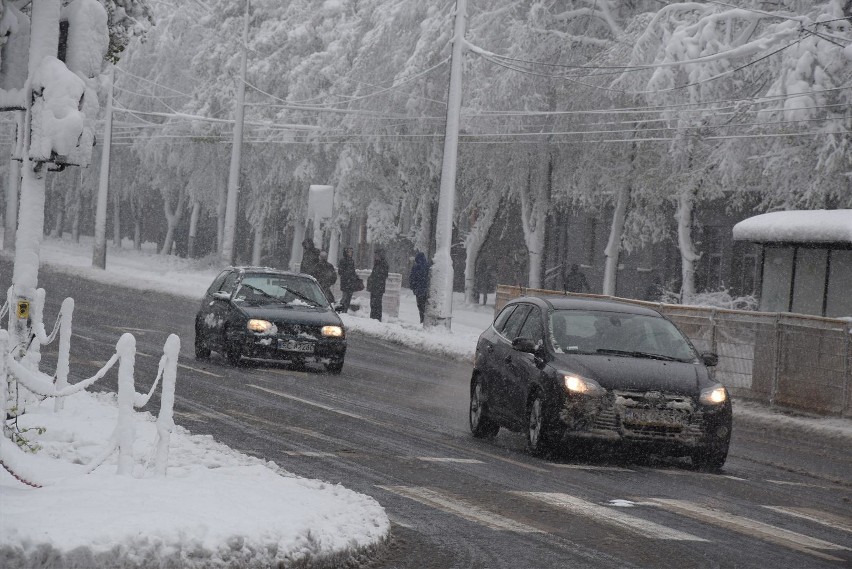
(440, 306)
(99, 251)
(4, 397)
(125, 348)
(165, 420)
(64, 357)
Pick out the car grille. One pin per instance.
(293, 331)
(651, 416)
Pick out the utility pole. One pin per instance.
(99, 251)
(236, 153)
(440, 308)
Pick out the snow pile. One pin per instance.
(810, 226)
(215, 508)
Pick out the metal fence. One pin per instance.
(790, 360)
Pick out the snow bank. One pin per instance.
(813, 226)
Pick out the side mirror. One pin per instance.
(219, 295)
(710, 359)
(525, 345)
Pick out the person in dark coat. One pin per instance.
(310, 258)
(376, 284)
(348, 278)
(575, 280)
(326, 275)
(418, 280)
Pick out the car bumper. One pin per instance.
(668, 420)
(274, 348)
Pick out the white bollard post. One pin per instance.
(125, 429)
(165, 420)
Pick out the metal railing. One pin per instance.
(18, 374)
(790, 360)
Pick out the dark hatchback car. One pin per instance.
(564, 369)
(261, 313)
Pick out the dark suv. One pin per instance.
(564, 368)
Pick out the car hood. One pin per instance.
(293, 315)
(627, 373)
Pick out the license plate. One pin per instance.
(293, 346)
(652, 417)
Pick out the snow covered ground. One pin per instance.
(216, 506)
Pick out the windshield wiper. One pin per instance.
(636, 354)
(257, 290)
(301, 296)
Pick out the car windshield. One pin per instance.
(618, 333)
(293, 290)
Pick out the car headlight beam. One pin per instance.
(715, 395)
(332, 331)
(259, 326)
(582, 385)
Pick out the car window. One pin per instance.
(266, 288)
(229, 282)
(516, 320)
(589, 331)
(533, 328)
(217, 282)
(501, 319)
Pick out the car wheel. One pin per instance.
(541, 436)
(202, 352)
(710, 458)
(481, 425)
(334, 366)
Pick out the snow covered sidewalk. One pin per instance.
(215, 508)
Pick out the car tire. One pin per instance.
(710, 458)
(334, 366)
(541, 436)
(202, 351)
(481, 425)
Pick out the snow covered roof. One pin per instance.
(812, 226)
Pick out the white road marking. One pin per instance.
(448, 459)
(609, 516)
(199, 370)
(752, 528)
(802, 484)
(83, 337)
(126, 329)
(312, 403)
(466, 510)
(824, 518)
(308, 453)
(396, 521)
(593, 467)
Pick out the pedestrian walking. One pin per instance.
(310, 258)
(418, 280)
(575, 280)
(326, 275)
(376, 284)
(349, 280)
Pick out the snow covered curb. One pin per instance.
(272, 517)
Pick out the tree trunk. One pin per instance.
(78, 208)
(59, 222)
(193, 228)
(116, 222)
(616, 231)
(473, 244)
(220, 217)
(13, 186)
(534, 203)
(257, 246)
(172, 219)
(688, 255)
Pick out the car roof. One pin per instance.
(577, 303)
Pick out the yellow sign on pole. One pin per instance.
(23, 309)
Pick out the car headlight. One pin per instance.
(260, 326)
(577, 384)
(332, 331)
(715, 395)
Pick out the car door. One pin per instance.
(522, 371)
(504, 355)
(220, 308)
(486, 362)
